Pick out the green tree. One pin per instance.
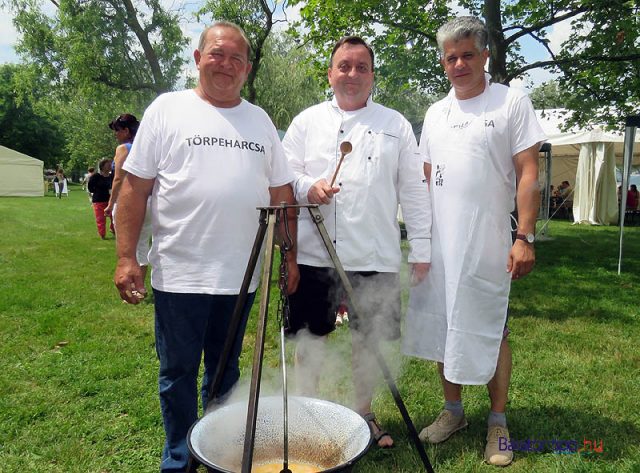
(25, 125)
(85, 121)
(284, 91)
(89, 61)
(598, 65)
(410, 101)
(256, 17)
(549, 95)
(79, 122)
(113, 43)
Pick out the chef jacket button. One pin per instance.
(369, 132)
(341, 131)
(340, 183)
(334, 242)
(369, 158)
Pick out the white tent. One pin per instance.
(20, 175)
(587, 158)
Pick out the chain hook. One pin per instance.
(285, 246)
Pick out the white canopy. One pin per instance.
(587, 158)
(20, 175)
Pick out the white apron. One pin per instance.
(457, 314)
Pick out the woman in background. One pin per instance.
(100, 189)
(125, 128)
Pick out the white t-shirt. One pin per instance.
(383, 169)
(212, 167)
(510, 123)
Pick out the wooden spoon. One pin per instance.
(345, 148)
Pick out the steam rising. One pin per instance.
(323, 368)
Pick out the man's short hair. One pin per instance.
(224, 24)
(355, 40)
(463, 27)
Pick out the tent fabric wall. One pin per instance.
(20, 175)
(595, 200)
(566, 145)
(563, 168)
(574, 158)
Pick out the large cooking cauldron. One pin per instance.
(321, 433)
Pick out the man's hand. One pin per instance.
(521, 259)
(321, 192)
(108, 210)
(128, 279)
(419, 272)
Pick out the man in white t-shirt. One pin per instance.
(382, 170)
(481, 147)
(207, 159)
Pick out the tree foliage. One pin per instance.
(256, 17)
(113, 43)
(284, 91)
(548, 96)
(90, 60)
(87, 62)
(85, 120)
(25, 125)
(598, 65)
(602, 70)
(402, 34)
(71, 131)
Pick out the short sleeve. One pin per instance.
(525, 129)
(281, 173)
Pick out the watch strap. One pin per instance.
(523, 237)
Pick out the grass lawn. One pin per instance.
(78, 388)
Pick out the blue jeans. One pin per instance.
(186, 325)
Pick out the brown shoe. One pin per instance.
(496, 452)
(443, 427)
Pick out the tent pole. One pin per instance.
(545, 197)
(546, 149)
(632, 122)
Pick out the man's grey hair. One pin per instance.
(460, 28)
(224, 24)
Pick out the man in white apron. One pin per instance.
(481, 147)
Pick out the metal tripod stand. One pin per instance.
(269, 217)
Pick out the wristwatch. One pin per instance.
(529, 237)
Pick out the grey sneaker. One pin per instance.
(443, 427)
(497, 451)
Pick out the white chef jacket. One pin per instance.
(383, 169)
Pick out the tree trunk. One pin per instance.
(251, 87)
(147, 47)
(258, 52)
(497, 46)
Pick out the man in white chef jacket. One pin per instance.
(481, 147)
(384, 168)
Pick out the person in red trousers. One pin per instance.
(100, 189)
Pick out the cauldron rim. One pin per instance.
(346, 466)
